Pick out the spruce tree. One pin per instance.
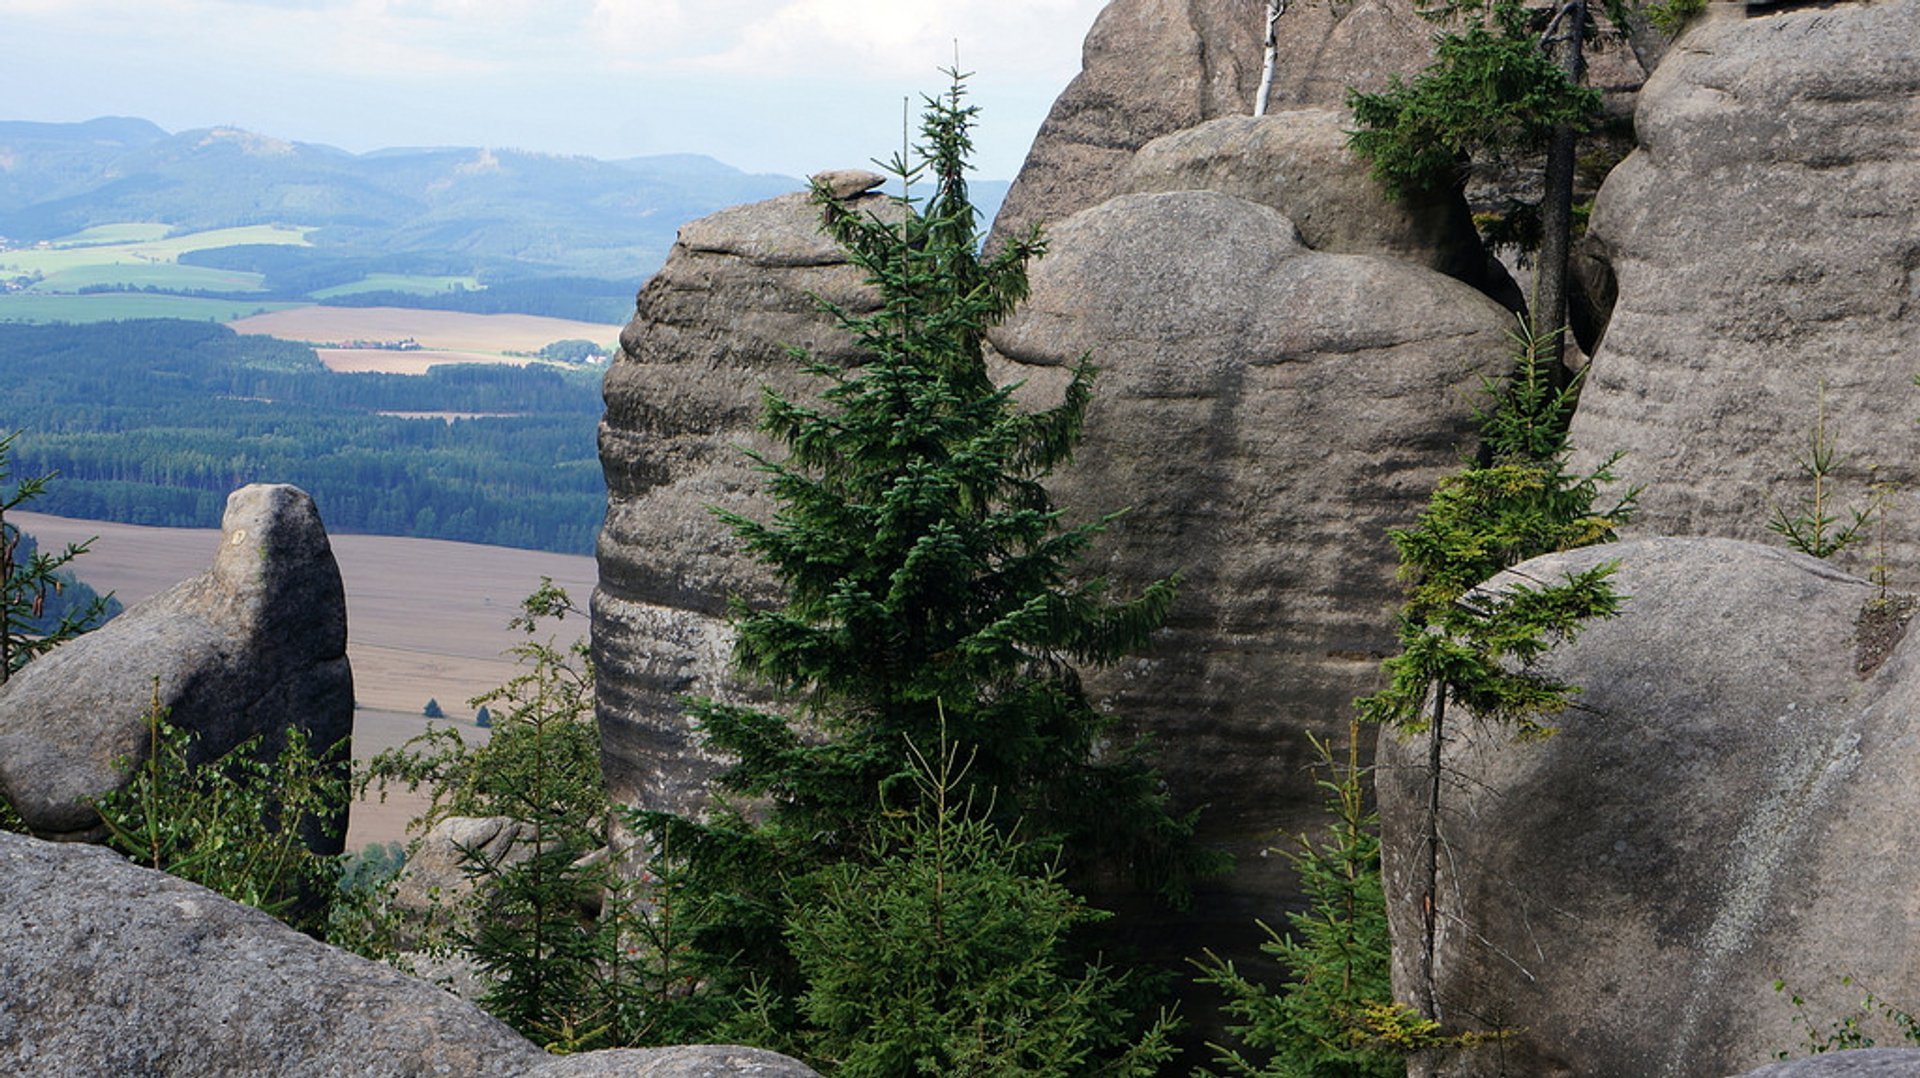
(925, 570)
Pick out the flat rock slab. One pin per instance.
(110, 968)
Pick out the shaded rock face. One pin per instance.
(683, 397)
(1730, 802)
(110, 968)
(1298, 162)
(1264, 413)
(255, 645)
(1152, 67)
(1763, 241)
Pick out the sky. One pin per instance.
(782, 86)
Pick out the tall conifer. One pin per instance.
(925, 569)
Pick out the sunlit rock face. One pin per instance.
(1153, 67)
(684, 398)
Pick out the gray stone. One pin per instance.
(684, 395)
(110, 968)
(433, 888)
(1764, 241)
(1729, 802)
(256, 645)
(1298, 162)
(681, 1061)
(1264, 413)
(1854, 1063)
(1153, 67)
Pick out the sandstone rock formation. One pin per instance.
(1298, 162)
(1764, 241)
(684, 395)
(255, 645)
(1730, 803)
(110, 968)
(1152, 67)
(1264, 413)
(1856, 1063)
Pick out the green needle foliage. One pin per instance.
(944, 954)
(32, 578)
(924, 568)
(1491, 93)
(1464, 645)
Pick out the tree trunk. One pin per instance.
(1270, 58)
(1556, 206)
(1430, 902)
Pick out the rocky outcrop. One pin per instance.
(1856, 1063)
(256, 645)
(1730, 802)
(110, 968)
(1153, 67)
(1764, 242)
(1264, 412)
(684, 395)
(1298, 162)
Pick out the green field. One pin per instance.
(399, 282)
(165, 275)
(135, 245)
(120, 306)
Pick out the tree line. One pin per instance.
(155, 422)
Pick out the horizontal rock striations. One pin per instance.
(1764, 243)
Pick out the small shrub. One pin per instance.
(233, 825)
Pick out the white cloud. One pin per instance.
(853, 39)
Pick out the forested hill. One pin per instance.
(154, 422)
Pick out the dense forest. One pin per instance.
(155, 422)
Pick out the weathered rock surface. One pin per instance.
(255, 645)
(1266, 411)
(1764, 241)
(1153, 67)
(110, 968)
(1854, 1063)
(711, 328)
(1298, 162)
(1730, 802)
(434, 886)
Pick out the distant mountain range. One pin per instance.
(539, 233)
(495, 213)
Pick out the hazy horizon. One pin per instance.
(788, 87)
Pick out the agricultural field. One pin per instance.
(441, 336)
(125, 306)
(147, 245)
(420, 284)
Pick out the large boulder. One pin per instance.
(254, 646)
(683, 397)
(1153, 67)
(1298, 162)
(1728, 803)
(1763, 243)
(1855, 1063)
(110, 968)
(1264, 413)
